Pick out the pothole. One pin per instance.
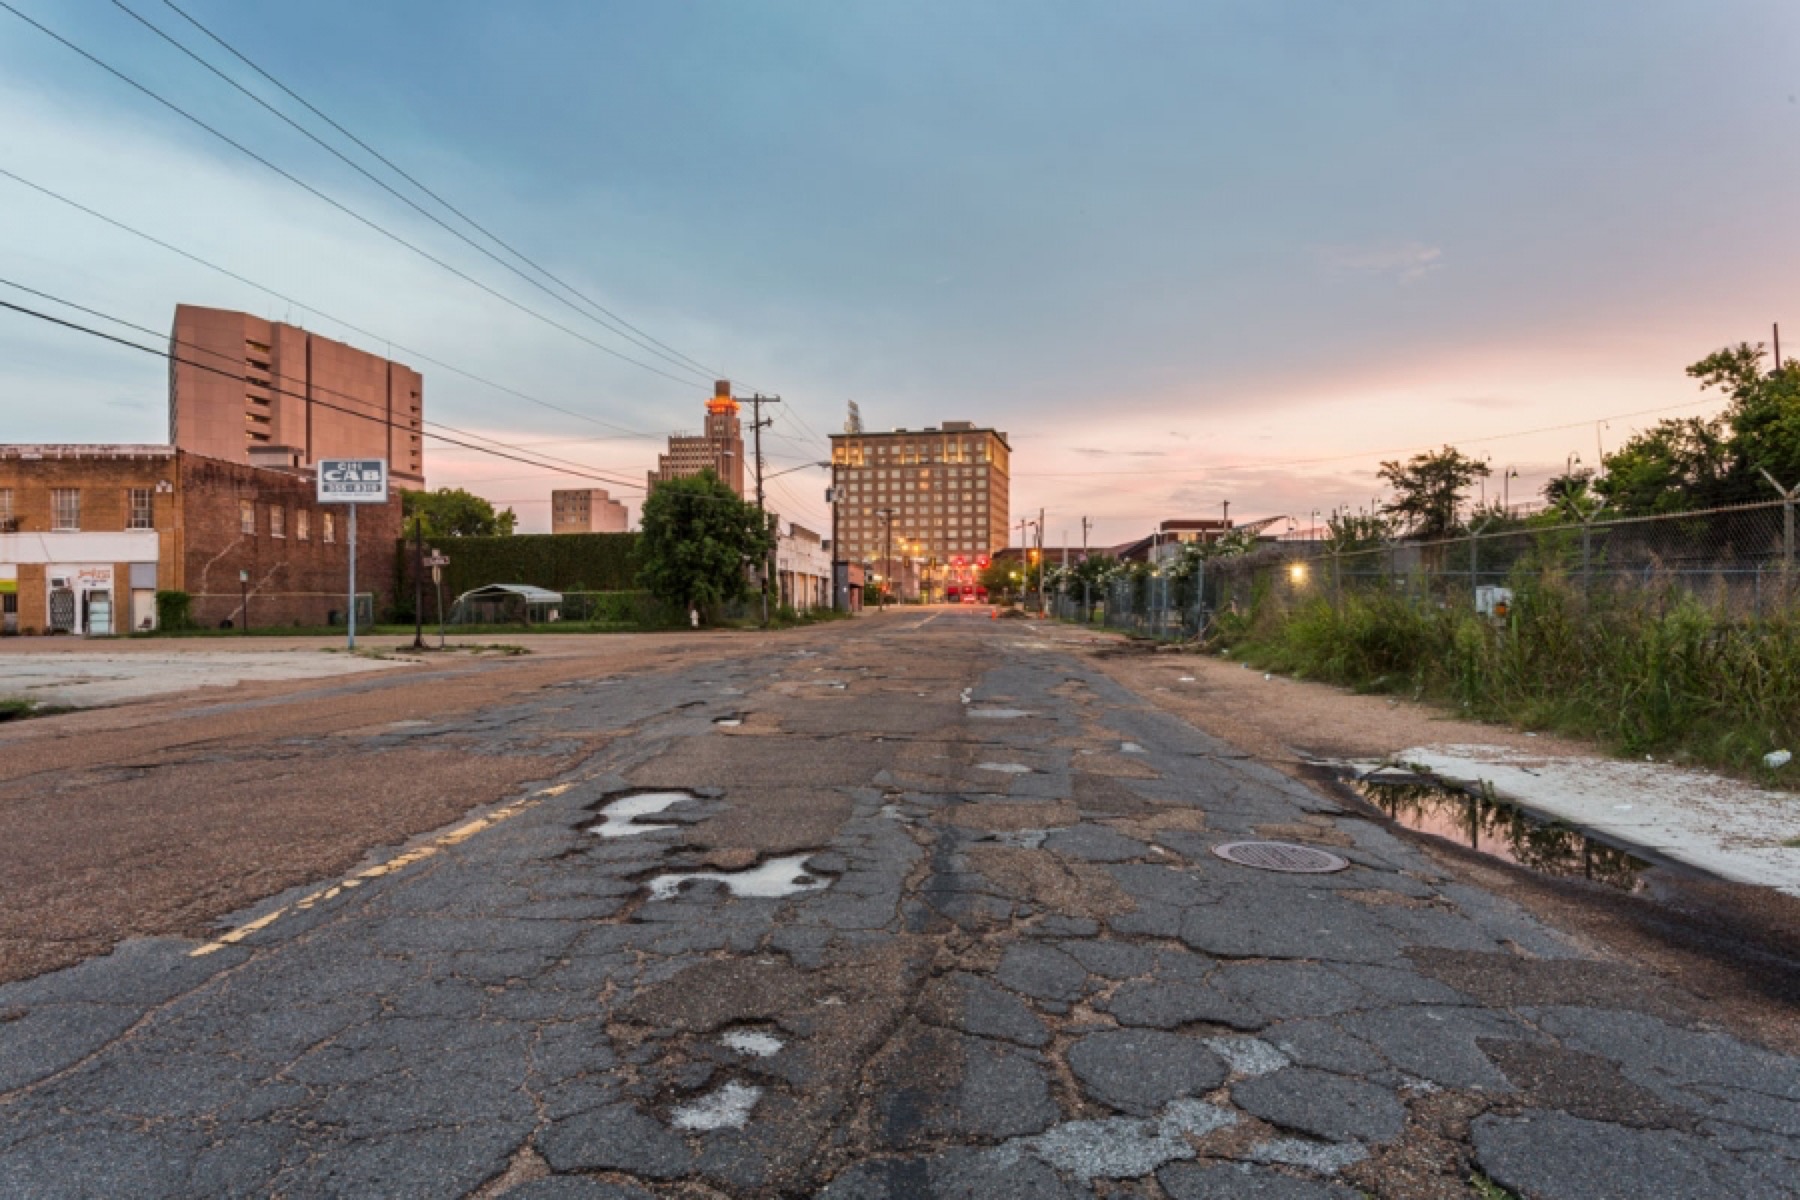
(772, 880)
(727, 1108)
(1481, 821)
(622, 814)
(752, 1042)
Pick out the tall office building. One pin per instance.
(720, 448)
(948, 490)
(260, 392)
(586, 510)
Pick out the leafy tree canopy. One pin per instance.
(1428, 490)
(1704, 462)
(452, 512)
(699, 541)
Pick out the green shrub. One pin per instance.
(174, 610)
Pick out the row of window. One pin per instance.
(278, 522)
(65, 509)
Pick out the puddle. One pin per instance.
(752, 1042)
(727, 1108)
(1491, 826)
(1004, 768)
(1023, 839)
(770, 881)
(621, 815)
(999, 714)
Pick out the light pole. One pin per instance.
(887, 557)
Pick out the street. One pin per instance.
(923, 904)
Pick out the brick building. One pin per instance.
(720, 449)
(586, 510)
(90, 533)
(250, 391)
(946, 489)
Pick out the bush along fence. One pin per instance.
(559, 562)
(1675, 635)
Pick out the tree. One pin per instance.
(997, 578)
(452, 512)
(1428, 490)
(1705, 462)
(699, 542)
(1571, 492)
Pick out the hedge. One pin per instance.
(562, 562)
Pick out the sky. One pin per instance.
(1182, 253)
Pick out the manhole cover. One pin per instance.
(1281, 856)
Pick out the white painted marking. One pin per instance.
(727, 1108)
(621, 814)
(1004, 768)
(999, 714)
(1131, 747)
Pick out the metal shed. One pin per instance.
(506, 604)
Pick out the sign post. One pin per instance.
(352, 481)
(437, 562)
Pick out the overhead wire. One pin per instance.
(337, 204)
(700, 372)
(398, 170)
(336, 320)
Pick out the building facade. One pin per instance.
(927, 497)
(720, 449)
(586, 510)
(803, 569)
(249, 391)
(90, 534)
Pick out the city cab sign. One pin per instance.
(353, 481)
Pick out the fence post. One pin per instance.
(1788, 496)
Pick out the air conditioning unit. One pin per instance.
(59, 581)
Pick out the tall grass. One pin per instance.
(1646, 671)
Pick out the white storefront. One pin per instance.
(803, 568)
(84, 591)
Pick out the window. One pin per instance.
(277, 521)
(65, 508)
(327, 527)
(247, 517)
(7, 522)
(303, 523)
(139, 515)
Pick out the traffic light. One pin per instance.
(1034, 556)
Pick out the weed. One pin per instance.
(1486, 1189)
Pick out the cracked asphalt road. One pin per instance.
(1007, 964)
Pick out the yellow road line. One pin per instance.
(460, 834)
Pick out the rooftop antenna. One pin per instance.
(854, 423)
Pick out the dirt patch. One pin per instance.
(1327, 835)
(1507, 981)
(1043, 879)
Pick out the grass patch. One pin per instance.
(15, 709)
(1486, 1189)
(1650, 672)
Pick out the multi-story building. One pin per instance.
(90, 534)
(803, 569)
(720, 449)
(586, 510)
(250, 391)
(933, 495)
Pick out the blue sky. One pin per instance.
(1181, 252)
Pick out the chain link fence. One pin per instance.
(1740, 561)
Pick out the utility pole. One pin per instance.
(887, 556)
(1040, 556)
(756, 427)
(840, 597)
(419, 581)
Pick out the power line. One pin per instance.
(391, 165)
(339, 205)
(406, 200)
(285, 298)
(1303, 462)
(374, 418)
